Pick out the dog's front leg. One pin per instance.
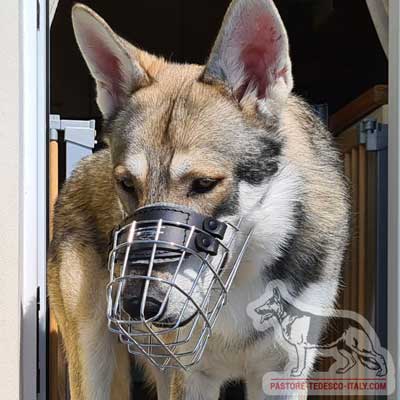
(105, 363)
(254, 390)
(163, 383)
(98, 365)
(195, 386)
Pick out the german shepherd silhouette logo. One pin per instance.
(301, 330)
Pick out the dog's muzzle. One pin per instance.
(170, 272)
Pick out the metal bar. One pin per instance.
(125, 264)
(181, 259)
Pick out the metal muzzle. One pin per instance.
(170, 271)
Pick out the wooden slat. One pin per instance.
(53, 182)
(347, 265)
(354, 242)
(348, 139)
(53, 328)
(359, 108)
(371, 235)
(360, 283)
(362, 215)
(353, 286)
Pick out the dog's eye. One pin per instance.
(203, 185)
(127, 185)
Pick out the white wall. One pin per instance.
(9, 200)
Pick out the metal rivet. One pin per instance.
(206, 242)
(212, 224)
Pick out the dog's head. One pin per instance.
(272, 307)
(205, 137)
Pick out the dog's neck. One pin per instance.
(281, 314)
(284, 310)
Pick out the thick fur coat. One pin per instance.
(235, 123)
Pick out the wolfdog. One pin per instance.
(228, 139)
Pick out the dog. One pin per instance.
(228, 139)
(351, 342)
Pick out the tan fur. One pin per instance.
(76, 273)
(179, 138)
(178, 386)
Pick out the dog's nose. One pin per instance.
(151, 308)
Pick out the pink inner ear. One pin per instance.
(107, 64)
(262, 44)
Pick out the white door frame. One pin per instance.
(33, 205)
(394, 186)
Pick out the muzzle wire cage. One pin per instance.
(185, 258)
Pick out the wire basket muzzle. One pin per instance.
(170, 272)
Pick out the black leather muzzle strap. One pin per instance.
(177, 222)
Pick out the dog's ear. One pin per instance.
(251, 53)
(276, 293)
(110, 59)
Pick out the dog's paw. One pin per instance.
(342, 370)
(380, 372)
(296, 372)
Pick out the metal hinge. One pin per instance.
(82, 132)
(373, 134)
(79, 137)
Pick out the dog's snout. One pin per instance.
(152, 308)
